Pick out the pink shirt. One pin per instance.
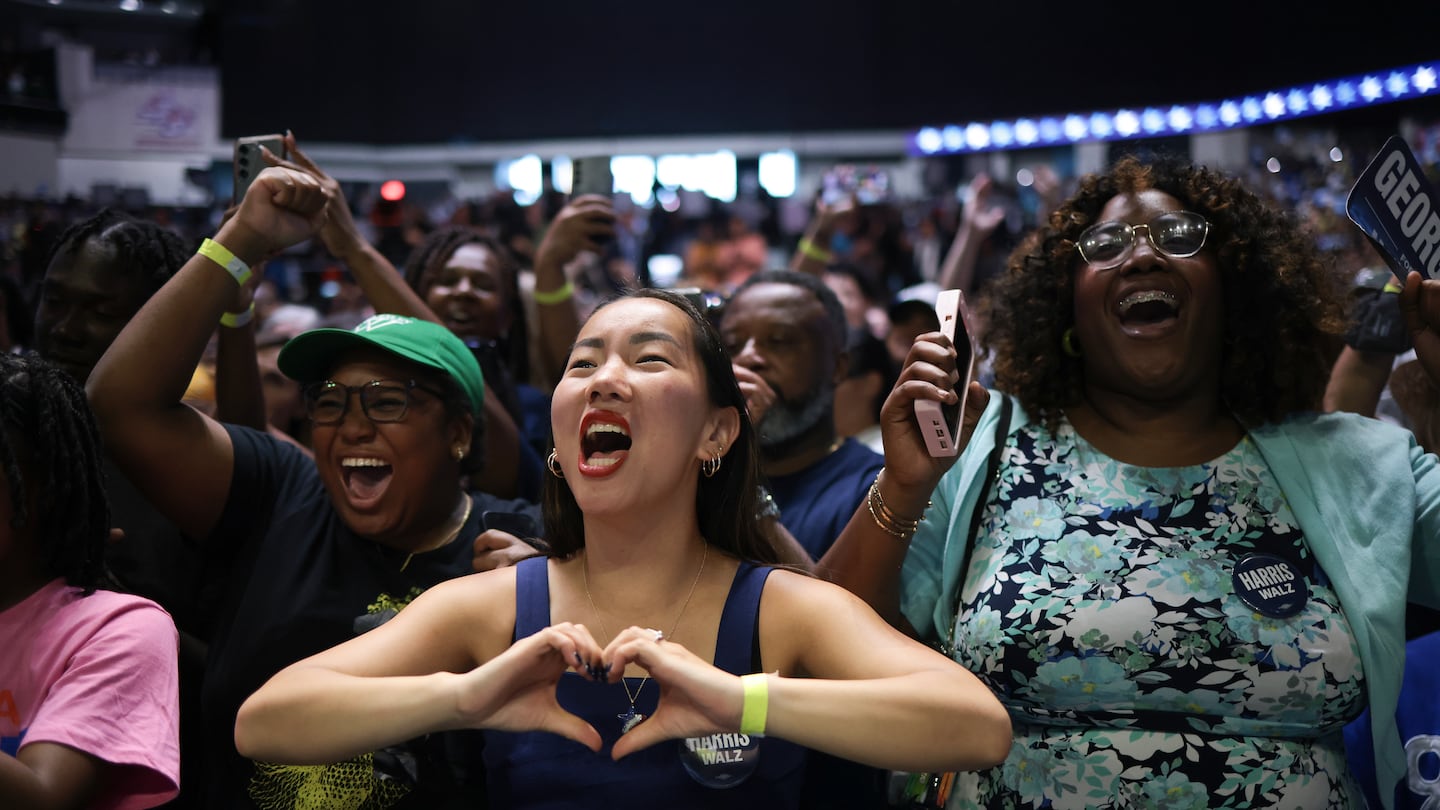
(96, 673)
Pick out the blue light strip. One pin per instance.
(1354, 92)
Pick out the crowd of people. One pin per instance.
(501, 525)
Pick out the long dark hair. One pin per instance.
(54, 463)
(726, 503)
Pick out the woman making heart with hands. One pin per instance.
(650, 508)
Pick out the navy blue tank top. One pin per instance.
(542, 770)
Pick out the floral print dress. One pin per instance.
(1100, 606)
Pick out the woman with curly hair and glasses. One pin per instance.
(1180, 579)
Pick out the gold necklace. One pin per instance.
(469, 502)
(632, 718)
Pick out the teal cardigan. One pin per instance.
(1365, 495)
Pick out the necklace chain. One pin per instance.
(469, 503)
(585, 576)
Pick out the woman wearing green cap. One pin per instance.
(307, 553)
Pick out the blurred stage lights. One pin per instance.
(1352, 92)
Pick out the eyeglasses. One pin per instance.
(380, 400)
(1178, 234)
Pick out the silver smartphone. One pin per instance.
(248, 162)
(591, 175)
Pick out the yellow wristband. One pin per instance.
(816, 252)
(235, 320)
(757, 703)
(221, 255)
(1392, 287)
(558, 296)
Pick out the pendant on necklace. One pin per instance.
(630, 720)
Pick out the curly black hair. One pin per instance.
(53, 463)
(144, 251)
(1283, 303)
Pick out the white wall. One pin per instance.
(28, 165)
(163, 177)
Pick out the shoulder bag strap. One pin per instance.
(992, 470)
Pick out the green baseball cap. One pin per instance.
(309, 356)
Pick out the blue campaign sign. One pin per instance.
(1398, 208)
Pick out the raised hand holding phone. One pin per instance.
(281, 208)
(940, 422)
(936, 371)
(249, 161)
(591, 175)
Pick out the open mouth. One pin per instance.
(1148, 308)
(366, 479)
(604, 444)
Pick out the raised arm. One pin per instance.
(585, 223)
(867, 556)
(385, 288)
(239, 395)
(180, 458)
(978, 219)
(1356, 381)
(812, 252)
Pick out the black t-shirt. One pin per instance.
(300, 582)
(154, 559)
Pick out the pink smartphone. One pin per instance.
(939, 422)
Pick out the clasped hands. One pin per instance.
(516, 690)
(283, 207)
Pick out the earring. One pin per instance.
(554, 465)
(710, 466)
(459, 453)
(1067, 342)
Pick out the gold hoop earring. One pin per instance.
(711, 466)
(1067, 343)
(554, 465)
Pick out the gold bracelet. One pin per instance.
(889, 522)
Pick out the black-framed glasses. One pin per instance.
(380, 400)
(1178, 234)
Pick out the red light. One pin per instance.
(392, 191)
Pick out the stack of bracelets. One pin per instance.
(889, 522)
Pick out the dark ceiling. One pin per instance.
(429, 71)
